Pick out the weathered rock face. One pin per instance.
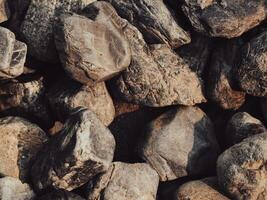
(60, 195)
(93, 49)
(37, 27)
(13, 189)
(252, 69)
(205, 189)
(83, 149)
(68, 94)
(12, 55)
(221, 82)
(4, 11)
(225, 18)
(180, 142)
(154, 20)
(125, 182)
(241, 169)
(241, 126)
(20, 141)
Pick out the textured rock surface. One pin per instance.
(253, 68)
(154, 20)
(60, 195)
(4, 11)
(37, 27)
(180, 142)
(93, 49)
(205, 189)
(241, 169)
(80, 151)
(125, 182)
(225, 18)
(20, 141)
(241, 126)
(221, 81)
(67, 95)
(14, 189)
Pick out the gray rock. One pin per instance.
(154, 20)
(83, 149)
(67, 95)
(20, 141)
(14, 189)
(225, 18)
(125, 182)
(37, 27)
(60, 195)
(241, 126)
(4, 11)
(180, 142)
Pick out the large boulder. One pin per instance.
(4, 11)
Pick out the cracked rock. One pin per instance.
(60, 195)
(4, 11)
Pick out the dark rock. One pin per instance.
(263, 103)
(60, 195)
(4, 11)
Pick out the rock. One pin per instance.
(4, 11)
(40, 20)
(12, 55)
(263, 103)
(240, 169)
(205, 189)
(154, 20)
(252, 68)
(60, 195)
(225, 18)
(68, 94)
(13, 189)
(125, 182)
(83, 149)
(180, 142)
(221, 86)
(20, 141)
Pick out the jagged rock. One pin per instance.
(125, 182)
(93, 48)
(221, 82)
(20, 141)
(14, 189)
(180, 142)
(40, 20)
(252, 69)
(25, 98)
(205, 189)
(83, 149)
(241, 169)
(68, 94)
(225, 18)
(154, 20)
(242, 125)
(4, 11)
(12, 55)
(60, 195)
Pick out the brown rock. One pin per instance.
(4, 11)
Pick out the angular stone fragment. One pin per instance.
(241, 126)
(205, 189)
(4, 11)
(180, 142)
(252, 70)
(225, 18)
(93, 49)
(60, 195)
(14, 189)
(125, 182)
(241, 169)
(37, 27)
(83, 149)
(154, 20)
(20, 141)
(68, 94)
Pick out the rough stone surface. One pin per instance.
(225, 18)
(252, 71)
(37, 27)
(125, 182)
(60, 195)
(180, 142)
(20, 141)
(14, 189)
(83, 149)
(241, 169)
(4, 11)
(68, 94)
(205, 189)
(241, 126)
(93, 48)
(154, 20)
